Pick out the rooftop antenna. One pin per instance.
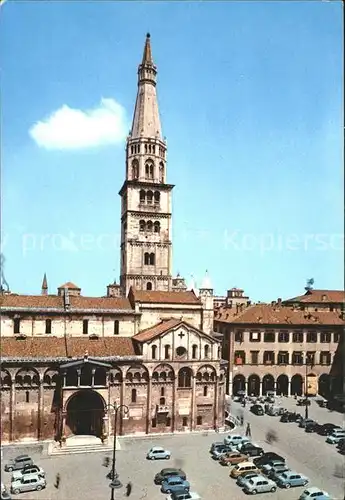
(309, 286)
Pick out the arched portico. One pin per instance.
(85, 412)
(238, 384)
(254, 385)
(296, 385)
(267, 384)
(282, 385)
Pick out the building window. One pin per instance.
(85, 326)
(239, 336)
(48, 325)
(184, 421)
(27, 397)
(336, 337)
(116, 327)
(16, 325)
(157, 197)
(146, 258)
(153, 422)
(283, 336)
(194, 351)
(141, 226)
(149, 226)
(325, 337)
(134, 396)
(311, 337)
(240, 358)
(149, 197)
(283, 358)
(162, 401)
(268, 358)
(142, 196)
(198, 420)
(297, 337)
(297, 358)
(254, 357)
(167, 352)
(157, 227)
(185, 378)
(154, 351)
(149, 285)
(162, 392)
(206, 351)
(152, 259)
(325, 358)
(269, 336)
(205, 390)
(310, 358)
(254, 337)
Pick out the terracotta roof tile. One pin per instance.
(267, 314)
(70, 285)
(57, 302)
(155, 331)
(316, 296)
(51, 347)
(154, 296)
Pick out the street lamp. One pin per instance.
(306, 394)
(115, 482)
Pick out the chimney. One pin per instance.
(44, 290)
(66, 299)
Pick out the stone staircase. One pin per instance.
(82, 444)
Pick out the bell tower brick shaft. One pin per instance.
(146, 244)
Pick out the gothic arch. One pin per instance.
(51, 377)
(163, 368)
(136, 374)
(27, 377)
(185, 375)
(6, 380)
(207, 372)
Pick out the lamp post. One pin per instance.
(115, 482)
(306, 394)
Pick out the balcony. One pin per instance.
(162, 409)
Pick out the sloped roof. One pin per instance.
(59, 347)
(165, 326)
(157, 297)
(69, 285)
(272, 315)
(57, 302)
(316, 296)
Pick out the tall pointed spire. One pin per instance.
(45, 285)
(147, 56)
(146, 121)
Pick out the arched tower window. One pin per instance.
(149, 285)
(207, 351)
(135, 169)
(194, 351)
(149, 197)
(142, 196)
(157, 227)
(161, 172)
(185, 377)
(151, 172)
(141, 225)
(134, 396)
(149, 226)
(152, 259)
(157, 197)
(154, 351)
(146, 258)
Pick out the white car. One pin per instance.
(158, 453)
(29, 469)
(186, 495)
(235, 440)
(336, 436)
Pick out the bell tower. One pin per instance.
(146, 244)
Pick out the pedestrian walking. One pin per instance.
(128, 489)
(242, 419)
(106, 462)
(248, 431)
(57, 481)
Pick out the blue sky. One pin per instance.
(251, 101)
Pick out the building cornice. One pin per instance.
(65, 359)
(145, 185)
(71, 310)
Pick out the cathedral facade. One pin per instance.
(148, 343)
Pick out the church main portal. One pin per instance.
(85, 413)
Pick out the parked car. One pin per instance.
(266, 458)
(305, 421)
(221, 450)
(276, 470)
(291, 478)
(303, 402)
(274, 411)
(288, 416)
(18, 463)
(336, 436)
(29, 482)
(165, 473)
(215, 445)
(28, 469)
(235, 440)
(232, 458)
(312, 427)
(183, 495)
(245, 476)
(322, 403)
(250, 449)
(314, 493)
(266, 468)
(244, 468)
(4, 493)
(327, 429)
(158, 453)
(259, 484)
(174, 483)
(257, 410)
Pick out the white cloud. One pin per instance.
(68, 128)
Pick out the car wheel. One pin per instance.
(287, 485)
(167, 457)
(39, 487)
(153, 458)
(305, 483)
(254, 492)
(168, 491)
(10, 469)
(186, 490)
(273, 489)
(16, 492)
